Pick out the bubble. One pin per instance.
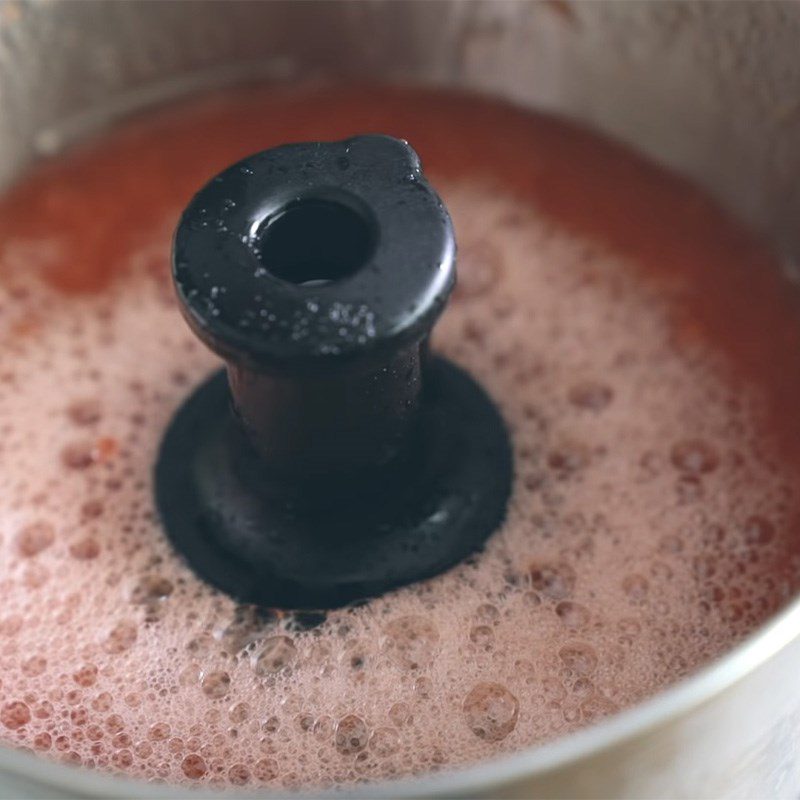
(579, 657)
(400, 714)
(94, 733)
(596, 707)
(121, 740)
(86, 675)
(568, 459)
(591, 395)
(102, 702)
(265, 770)
(15, 714)
(151, 589)
(143, 750)
(554, 581)
(487, 614)
(245, 630)
(491, 711)
(582, 689)
(571, 714)
(121, 638)
(677, 665)
(411, 642)
(238, 774)
(78, 716)
(42, 741)
(78, 455)
(215, 684)
(84, 412)
(323, 727)
(365, 762)
(573, 615)
(694, 456)
(276, 654)
(84, 549)
(189, 675)
(758, 531)
(351, 735)
(305, 722)
(271, 724)
(474, 331)
(355, 656)
(194, 766)
(114, 723)
(384, 742)
(34, 666)
(423, 687)
(482, 636)
(35, 538)
(238, 712)
(531, 599)
(43, 710)
(73, 696)
(636, 588)
(92, 509)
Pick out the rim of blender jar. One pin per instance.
(536, 760)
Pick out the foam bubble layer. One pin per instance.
(652, 526)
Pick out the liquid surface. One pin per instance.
(640, 345)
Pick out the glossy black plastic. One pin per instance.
(353, 461)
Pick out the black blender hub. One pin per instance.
(335, 458)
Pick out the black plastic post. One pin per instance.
(317, 271)
(354, 461)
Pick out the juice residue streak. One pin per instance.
(641, 346)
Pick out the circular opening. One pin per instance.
(314, 241)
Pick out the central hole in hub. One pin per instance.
(315, 241)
